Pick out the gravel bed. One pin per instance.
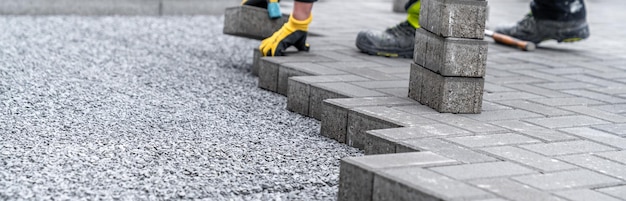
(148, 108)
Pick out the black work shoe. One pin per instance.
(397, 41)
(536, 30)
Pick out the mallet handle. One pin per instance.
(508, 40)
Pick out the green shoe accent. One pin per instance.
(538, 30)
(413, 15)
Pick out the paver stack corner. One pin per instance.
(448, 68)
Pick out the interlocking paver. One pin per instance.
(607, 116)
(420, 184)
(585, 195)
(617, 156)
(514, 190)
(598, 136)
(543, 163)
(444, 148)
(566, 101)
(536, 108)
(504, 115)
(619, 129)
(493, 140)
(548, 135)
(465, 123)
(567, 180)
(617, 191)
(386, 140)
(568, 147)
(598, 164)
(483, 170)
(566, 121)
(596, 96)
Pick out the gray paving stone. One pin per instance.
(269, 67)
(378, 84)
(397, 92)
(454, 18)
(498, 115)
(491, 106)
(617, 156)
(301, 69)
(250, 22)
(356, 178)
(548, 135)
(536, 108)
(446, 94)
(567, 180)
(614, 108)
(371, 73)
(299, 93)
(596, 96)
(385, 140)
(416, 109)
(443, 148)
(483, 170)
(465, 123)
(517, 125)
(567, 101)
(509, 95)
(450, 56)
(566, 121)
(377, 117)
(335, 113)
(83, 7)
(568, 85)
(322, 91)
(256, 57)
(539, 90)
(617, 191)
(492, 140)
(598, 136)
(619, 129)
(597, 164)
(585, 195)
(513, 190)
(542, 163)
(568, 147)
(420, 184)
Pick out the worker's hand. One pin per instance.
(293, 32)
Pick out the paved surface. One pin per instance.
(552, 125)
(148, 108)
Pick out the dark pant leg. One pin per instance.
(408, 4)
(559, 10)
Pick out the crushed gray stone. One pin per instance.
(148, 108)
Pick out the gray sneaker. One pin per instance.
(397, 41)
(535, 30)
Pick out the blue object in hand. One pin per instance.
(274, 9)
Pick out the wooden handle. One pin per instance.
(504, 39)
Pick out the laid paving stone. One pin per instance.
(382, 84)
(539, 91)
(517, 125)
(498, 115)
(443, 148)
(617, 191)
(386, 140)
(483, 170)
(299, 92)
(597, 164)
(617, 156)
(416, 183)
(596, 96)
(540, 162)
(618, 129)
(327, 90)
(416, 109)
(536, 108)
(371, 73)
(492, 140)
(449, 57)
(598, 136)
(568, 147)
(466, 123)
(195, 7)
(589, 111)
(548, 135)
(446, 94)
(256, 57)
(567, 180)
(585, 195)
(513, 190)
(335, 113)
(566, 121)
(363, 119)
(398, 6)
(288, 70)
(268, 67)
(356, 178)
(454, 18)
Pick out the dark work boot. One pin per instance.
(537, 30)
(397, 41)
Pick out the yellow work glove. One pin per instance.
(292, 33)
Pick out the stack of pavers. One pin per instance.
(450, 56)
